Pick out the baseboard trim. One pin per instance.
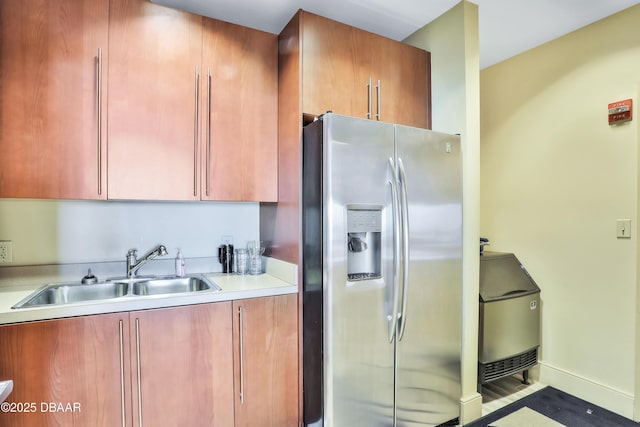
(470, 408)
(599, 394)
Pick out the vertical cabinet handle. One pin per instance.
(241, 358)
(208, 160)
(379, 91)
(122, 375)
(99, 115)
(138, 372)
(196, 122)
(369, 98)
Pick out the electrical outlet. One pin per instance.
(6, 251)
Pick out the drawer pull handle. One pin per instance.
(208, 169)
(99, 116)
(122, 376)
(196, 123)
(379, 92)
(138, 372)
(369, 98)
(241, 339)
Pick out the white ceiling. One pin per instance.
(507, 27)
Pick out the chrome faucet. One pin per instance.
(134, 264)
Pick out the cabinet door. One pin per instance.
(154, 72)
(52, 102)
(266, 361)
(403, 71)
(336, 68)
(66, 372)
(182, 366)
(240, 113)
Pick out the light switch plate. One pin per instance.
(623, 228)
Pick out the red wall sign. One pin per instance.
(620, 111)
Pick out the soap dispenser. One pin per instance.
(180, 267)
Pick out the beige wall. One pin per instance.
(452, 40)
(554, 179)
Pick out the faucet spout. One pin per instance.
(134, 264)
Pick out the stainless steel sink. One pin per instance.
(173, 285)
(56, 294)
(75, 293)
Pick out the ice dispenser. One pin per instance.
(364, 226)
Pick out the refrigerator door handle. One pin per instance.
(392, 320)
(404, 208)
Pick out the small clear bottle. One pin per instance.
(180, 267)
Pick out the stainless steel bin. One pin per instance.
(509, 332)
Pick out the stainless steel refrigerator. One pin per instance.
(382, 274)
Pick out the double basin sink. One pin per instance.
(74, 293)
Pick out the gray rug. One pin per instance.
(525, 417)
(561, 407)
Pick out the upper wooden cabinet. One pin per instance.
(240, 113)
(127, 99)
(336, 67)
(353, 72)
(53, 80)
(154, 83)
(192, 107)
(402, 83)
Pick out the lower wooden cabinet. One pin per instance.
(182, 366)
(65, 372)
(265, 333)
(218, 364)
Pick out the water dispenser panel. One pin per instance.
(364, 228)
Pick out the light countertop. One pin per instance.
(280, 279)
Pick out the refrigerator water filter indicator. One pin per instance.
(364, 227)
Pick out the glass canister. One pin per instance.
(242, 261)
(255, 250)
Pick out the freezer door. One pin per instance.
(429, 341)
(357, 272)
